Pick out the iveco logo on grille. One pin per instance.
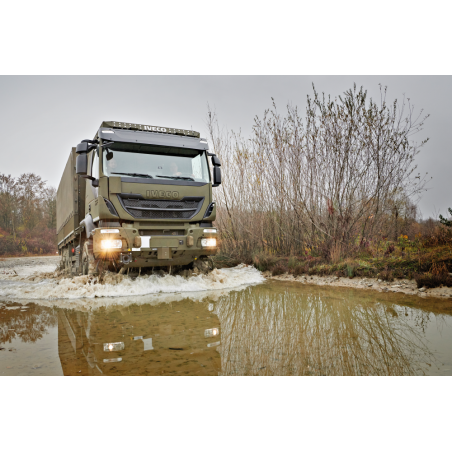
(162, 194)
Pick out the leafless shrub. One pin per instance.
(335, 253)
(322, 185)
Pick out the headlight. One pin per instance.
(113, 346)
(110, 244)
(208, 242)
(211, 332)
(210, 231)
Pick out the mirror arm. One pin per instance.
(94, 181)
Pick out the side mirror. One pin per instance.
(215, 161)
(81, 164)
(216, 176)
(82, 147)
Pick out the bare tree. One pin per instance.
(327, 182)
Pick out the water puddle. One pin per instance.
(271, 328)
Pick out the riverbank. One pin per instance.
(405, 286)
(422, 270)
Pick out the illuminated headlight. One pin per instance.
(110, 244)
(113, 346)
(109, 231)
(208, 242)
(210, 231)
(211, 332)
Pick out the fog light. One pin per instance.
(210, 231)
(110, 244)
(208, 242)
(109, 231)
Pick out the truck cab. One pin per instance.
(144, 200)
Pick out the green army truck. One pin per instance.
(137, 196)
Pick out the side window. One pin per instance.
(95, 165)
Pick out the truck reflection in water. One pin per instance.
(167, 339)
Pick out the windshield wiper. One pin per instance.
(136, 175)
(178, 177)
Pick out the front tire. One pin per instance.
(89, 264)
(204, 265)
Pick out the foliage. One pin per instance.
(386, 275)
(279, 269)
(429, 280)
(351, 270)
(27, 215)
(445, 221)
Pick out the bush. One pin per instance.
(40, 241)
(263, 262)
(292, 263)
(279, 269)
(350, 270)
(429, 281)
(387, 275)
(299, 270)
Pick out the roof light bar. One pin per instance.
(145, 128)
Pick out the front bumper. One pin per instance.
(154, 250)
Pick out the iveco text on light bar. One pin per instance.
(145, 128)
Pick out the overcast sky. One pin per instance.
(42, 117)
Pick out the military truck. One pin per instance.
(135, 197)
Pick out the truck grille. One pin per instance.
(161, 209)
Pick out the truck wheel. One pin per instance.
(64, 265)
(204, 265)
(88, 261)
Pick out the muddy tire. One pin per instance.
(203, 265)
(89, 264)
(65, 263)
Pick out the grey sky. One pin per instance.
(41, 118)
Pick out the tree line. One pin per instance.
(27, 215)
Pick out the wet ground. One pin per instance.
(246, 326)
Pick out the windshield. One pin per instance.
(156, 162)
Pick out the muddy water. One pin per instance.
(270, 328)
